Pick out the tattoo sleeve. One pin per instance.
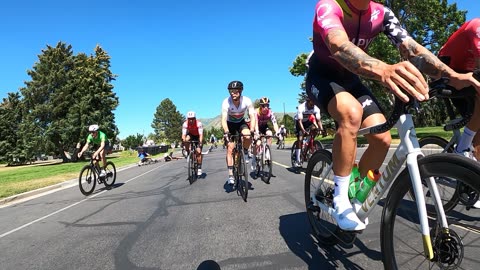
(423, 59)
(357, 61)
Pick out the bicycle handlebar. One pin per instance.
(438, 88)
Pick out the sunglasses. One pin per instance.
(265, 106)
(234, 91)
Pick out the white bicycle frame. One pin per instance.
(408, 150)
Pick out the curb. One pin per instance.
(55, 187)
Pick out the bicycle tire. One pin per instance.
(400, 221)
(191, 169)
(241, 176)
(319, 183)
(446, 187)
(110, 174)
(87, 180)
(266, 165)
(317, 145)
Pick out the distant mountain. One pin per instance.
(216, 122)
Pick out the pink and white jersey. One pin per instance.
(361, 26)
(237, 114)
(262, 119)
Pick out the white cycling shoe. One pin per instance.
(347, 220)
(230, 180)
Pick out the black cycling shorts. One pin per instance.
(236, 128)
(298, 130)
(323, 84)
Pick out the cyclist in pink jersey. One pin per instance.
(264, 115)
(342, 31)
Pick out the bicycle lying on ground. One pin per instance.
(452, 193)
(90, 175)
(263, 159)
(240, 171)
(192, 162)
(308, 147)
(147, 161)
(441, 242)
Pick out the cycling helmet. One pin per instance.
(235, 85)
(282, 126)
(191, 114)
(264, 101)
(93, 128)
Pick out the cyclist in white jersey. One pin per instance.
(233, 121)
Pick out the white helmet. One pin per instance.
(282, 126)
(191, 114)
(92, 128)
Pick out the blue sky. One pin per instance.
(186, 51)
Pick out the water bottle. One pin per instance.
(354, 182)
(367, 184)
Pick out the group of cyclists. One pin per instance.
(342, 31)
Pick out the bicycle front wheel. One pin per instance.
(241, 175)
(401, 241)
(87, 180)
(447, 187)
(111, 174)
(319, 189)
(266, 165)
(191, 168)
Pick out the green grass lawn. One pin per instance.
(18, 179)
(421, 132)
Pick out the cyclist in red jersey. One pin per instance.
(461, 52)
(192, 130)
(342, 31)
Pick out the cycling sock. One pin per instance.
(340, 195)
(465, 140)
(297, 154)
(230, 170)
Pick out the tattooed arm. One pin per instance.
(429, 64)
(402, 75)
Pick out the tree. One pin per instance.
(131, 142)
(66, 94)
(431, 31)
(10, 120)
(167, 122)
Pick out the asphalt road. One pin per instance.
(154, 219)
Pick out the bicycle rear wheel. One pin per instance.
(266, 165)
(319, 185)
(241, 175)
(87, 180)
(111, 174)
(447, 187)
(401, 241)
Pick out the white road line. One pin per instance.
(70, 206)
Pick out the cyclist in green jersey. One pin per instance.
(96, 137)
